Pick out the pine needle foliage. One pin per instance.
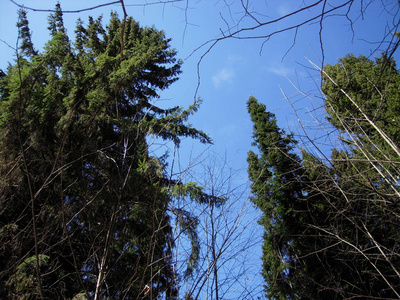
(84, 206)
(331, 227)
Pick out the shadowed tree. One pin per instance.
(84, 206)
(330, 230)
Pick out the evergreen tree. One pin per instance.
(362, 103)
(279, 190)
(26, 46)
(275, 190)
(330, 230)
(371, 89)
(84, 206)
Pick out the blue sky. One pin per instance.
(233, 69)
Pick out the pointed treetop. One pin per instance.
(24, 34)
(56, 23)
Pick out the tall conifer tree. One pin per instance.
(331, 227)
(84, 206)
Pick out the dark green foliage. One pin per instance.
(56, 22)
(26, 46)
(372, 89)
(330, 231)
(78, 184)
(277, 190)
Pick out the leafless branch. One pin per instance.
(65, 11)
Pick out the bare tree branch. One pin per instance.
(64, 11)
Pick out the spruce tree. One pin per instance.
(276, 188)
(85, 206)
(331, 227)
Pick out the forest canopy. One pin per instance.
(85, 209)
(331, 225)
(89, 211)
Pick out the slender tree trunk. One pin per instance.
(214, 255)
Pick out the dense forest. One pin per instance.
(88, 211)
(331, 225)
(85, 210)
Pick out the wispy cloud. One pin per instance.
(224, 75)
(281, 70)
(284, 9)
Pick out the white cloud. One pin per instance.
(285, 8)
(281, 70)
(224, 75)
